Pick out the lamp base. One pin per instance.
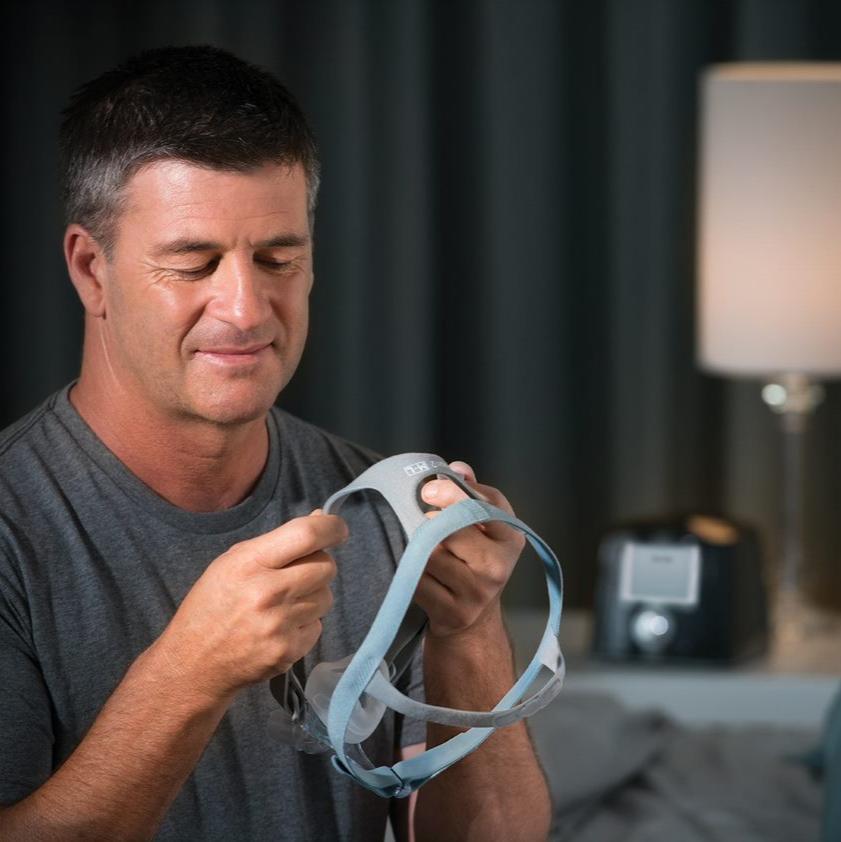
(799, 626)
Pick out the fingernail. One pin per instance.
(431, 490)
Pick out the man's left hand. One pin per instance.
(466, 573)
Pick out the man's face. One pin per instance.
(206, 304)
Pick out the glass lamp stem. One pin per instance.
(794, 397)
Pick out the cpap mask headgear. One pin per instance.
(342, 702)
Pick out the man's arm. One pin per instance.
(498, 791)
(124, 775)
(252, 613)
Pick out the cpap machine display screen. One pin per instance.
(664, 574)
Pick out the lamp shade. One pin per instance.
(769, 250)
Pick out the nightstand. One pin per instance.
(791, 688)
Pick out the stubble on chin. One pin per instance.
(235, 401)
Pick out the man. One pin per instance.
(162, 555)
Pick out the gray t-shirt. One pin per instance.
(93, 565)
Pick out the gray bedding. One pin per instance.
(622, 776)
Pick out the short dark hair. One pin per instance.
(198, 104)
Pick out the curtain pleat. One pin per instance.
(505, 243)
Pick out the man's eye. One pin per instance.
(210, 267)
(199, 271)
(276, 265)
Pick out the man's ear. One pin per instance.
(86, 263)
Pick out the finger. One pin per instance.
(456, 492)
(493, 528)
(454, 574)
(308, 607)
(501, 533)
(477, 527)
(465, 470)
(307, 574)
(306, 636)
(434, 597)
(293, 540)
(487, 559)
(442, 493)
(495, 497)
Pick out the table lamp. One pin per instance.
(769, 252)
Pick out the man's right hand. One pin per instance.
(256, 609)
(253, 612)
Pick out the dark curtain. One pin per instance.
(504, 243)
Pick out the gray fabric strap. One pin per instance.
(393, 479)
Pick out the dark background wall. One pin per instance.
(505, 241)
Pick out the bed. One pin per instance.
(655, 754)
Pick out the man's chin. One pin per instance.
(235, 417)
(233, 409)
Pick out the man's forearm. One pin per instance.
(498, 792)
(123, 776)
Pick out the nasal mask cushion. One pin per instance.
(342, 702)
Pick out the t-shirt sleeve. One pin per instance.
(26, 735)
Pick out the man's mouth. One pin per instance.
(233, 355)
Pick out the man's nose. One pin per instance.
(240, 295)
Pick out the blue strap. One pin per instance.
(407, 775)
(548, 655)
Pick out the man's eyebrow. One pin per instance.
(284, 241)
(186, 245)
